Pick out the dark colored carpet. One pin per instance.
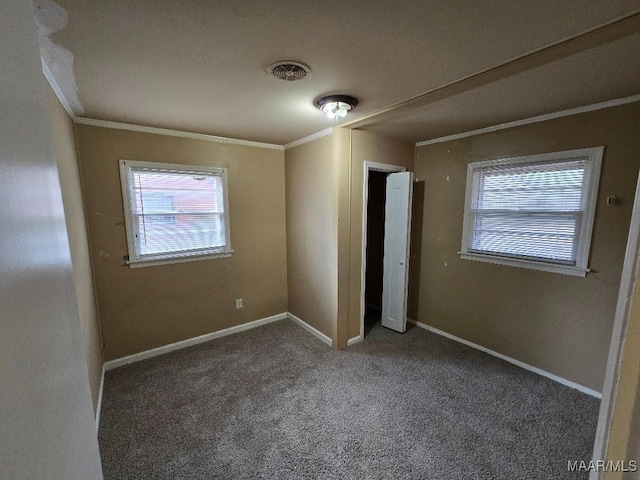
(274, 402)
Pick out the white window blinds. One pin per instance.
(175, 213)
(537, 209)
(529, 211)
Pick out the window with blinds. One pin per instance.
(174, 212)
(534, 211)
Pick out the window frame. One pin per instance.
(583, 238)
(133, 259)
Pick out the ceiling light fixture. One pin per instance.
(336, 106)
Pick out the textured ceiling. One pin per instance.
(599, 74)
(200, 66)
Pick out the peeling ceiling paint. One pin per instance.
(51, 18)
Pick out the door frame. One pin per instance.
(368, 167)
(630, 273)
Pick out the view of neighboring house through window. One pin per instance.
(174, 212)
(535, 211)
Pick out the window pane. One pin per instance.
(542, 236)
(180, 233)
(551, 187)
(177, 212)
(176, 192)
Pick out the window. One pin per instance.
(533, 212)
(174, 213)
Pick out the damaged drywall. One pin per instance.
(51, 18)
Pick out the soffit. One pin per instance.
(599, 74)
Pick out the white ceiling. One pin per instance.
(610, 71)
(200, 66)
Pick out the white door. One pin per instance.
(397, 230)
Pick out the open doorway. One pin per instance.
(374, 254)
(373, 236)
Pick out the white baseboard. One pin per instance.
(355, 340)
(310, 329)
(136, 357)
(520, 364)
(99, 405)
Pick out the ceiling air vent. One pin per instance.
(289, 71)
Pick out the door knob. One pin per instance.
(401, 263)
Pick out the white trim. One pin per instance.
(173, 133)
(99, 405)
(154, 352)
(309, 138)
(523, 263)
(630, 270)
(178, 259)
(376, 167)
(518, 363)
(582, 238)
(354, 340)
(310, 329)
(540, 118)
(56, 88)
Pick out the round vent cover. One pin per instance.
(289, 71)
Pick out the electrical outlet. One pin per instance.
(238, 303)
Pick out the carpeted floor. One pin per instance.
(274, 402)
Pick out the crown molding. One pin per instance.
(309, 138)
(173, 133)
(539, 118)
(56, 88)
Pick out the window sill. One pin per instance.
(152, 262)
(531, 264)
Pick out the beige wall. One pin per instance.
(311, 233)
(64, 143)
(342, 180)
(559, 323)
(48, 425)
(366, 146)
(149, 307)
